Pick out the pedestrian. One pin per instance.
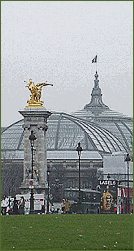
(52, 210)
(15, 206)
(22, 205)
(4, 205)
(63, 206)
(67, 205)
(43, 209)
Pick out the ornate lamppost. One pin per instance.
(79, 150)
(48, 175)
(128, 160)
(32, 138)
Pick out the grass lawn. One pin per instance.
(67, 232)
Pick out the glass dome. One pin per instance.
(65, 131)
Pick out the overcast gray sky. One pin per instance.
(56, 41)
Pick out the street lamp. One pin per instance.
(32, 138)
(108, 176)
(48, 174)
(128, 159)
(79, 150)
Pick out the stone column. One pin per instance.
(35, 119)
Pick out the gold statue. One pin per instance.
(35, 93)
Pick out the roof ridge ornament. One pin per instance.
(96, 81)
(96, 104)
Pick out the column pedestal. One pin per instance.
(35, 119)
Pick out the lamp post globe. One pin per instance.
(32, 138)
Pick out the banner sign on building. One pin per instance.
(108, 196)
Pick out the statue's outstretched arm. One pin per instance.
(44, 84)
(28, 85)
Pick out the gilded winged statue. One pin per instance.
(35, 93)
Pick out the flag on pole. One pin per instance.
(95, 59)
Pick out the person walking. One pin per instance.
(4, 205)
(67, 205)
(15, 206)
(22, 205)
(63, 206)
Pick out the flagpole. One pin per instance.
(95, 61)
